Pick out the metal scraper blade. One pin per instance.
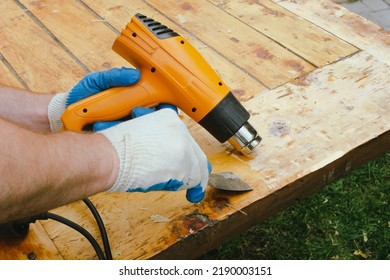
(228, 181)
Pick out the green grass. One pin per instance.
(348, 219)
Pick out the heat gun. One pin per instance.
(174, 72)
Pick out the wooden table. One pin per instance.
(314, 76)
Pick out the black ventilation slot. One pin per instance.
(159, 30)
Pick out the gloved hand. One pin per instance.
(143, 167)
(157, 152)
(91, 84)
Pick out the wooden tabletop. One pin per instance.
(314, 76)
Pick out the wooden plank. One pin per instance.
(343, 23)
(36, 246)
(85, 35)
(314, 130)
(34, 54)
(296, 34)
(7, 78)
(235, 40)
(119, 13)
(331, 108)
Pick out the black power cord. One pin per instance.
(19, 229)
(81, 230)
(102, 228)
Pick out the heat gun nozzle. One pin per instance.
(245, 139)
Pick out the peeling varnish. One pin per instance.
(159, 219)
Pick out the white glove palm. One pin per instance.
(157, 152)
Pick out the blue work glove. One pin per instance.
(91, 84)
(157, 152)
(135, 113)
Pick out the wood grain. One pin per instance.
(240, 43)
(300, 36)
(7, 77)
(36, 246)
(344, 24)
(85, 36)
(33, 53)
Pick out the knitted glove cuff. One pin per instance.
(123, 150)
(55, 110)
(134, 159)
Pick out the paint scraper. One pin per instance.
(228, 181)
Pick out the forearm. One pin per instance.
(39, 172)
(25, 108)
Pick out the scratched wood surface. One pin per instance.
(317, 92)
(37, 245)
(339, 21)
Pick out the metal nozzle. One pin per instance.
(245, 139)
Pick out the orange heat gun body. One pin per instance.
(174, 72)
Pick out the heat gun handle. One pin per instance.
(109, 105)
